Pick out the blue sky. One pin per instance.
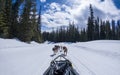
(117, 3)
(57, 13)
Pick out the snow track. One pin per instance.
(105, 53)
(81, 68)
(94, 63)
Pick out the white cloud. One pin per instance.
(78, 11)
(105, 8)
(55, 6)
(55, 16)
(43, 0)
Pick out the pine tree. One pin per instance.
(83, 36)
(2, 24)
(113, 30)
(8, 15)
(15, 16)
(57, 35)
(108, 30)
(2, 5)
(61, 34)
(90, 28)
(3, 27)
(67, 34)
(96, 31)
(25, 30)
(118, 30)
(45, 36)
(102, 30)
(5, 18)
(71, 32)
(35, 25)
(77, 34)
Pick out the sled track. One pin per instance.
(82, 65)
(105, 53)
(17, 47)
(74, 65)
(44, 66)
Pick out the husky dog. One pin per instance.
(65, 50)
(55, 49)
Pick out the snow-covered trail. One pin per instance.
(90, 62)
(90, 58)
(24, 60)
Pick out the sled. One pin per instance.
(60, 67)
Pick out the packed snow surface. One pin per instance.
(88, 58)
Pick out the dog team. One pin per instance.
(57, 48)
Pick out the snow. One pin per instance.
(100, 57)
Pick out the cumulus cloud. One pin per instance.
(105, 9)
(56, 15)
(78, 11)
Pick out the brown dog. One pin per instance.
(55, 49)
(65, 50)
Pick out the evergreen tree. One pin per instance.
(61, 34)
(5, 18)
(25, 30)
(71, 32)
(3, 27)
(57, 35)
(102, 30)
(52, 36)
(8, 16)
(118, 30)
(15, 16)
(45, 36)
(2, 5)
(90, 28)
(108, 30)
(113, 30)
(34, 22)
(67, 35)
(77, 34)
(96, 31)
(83, 36)
(2, 24)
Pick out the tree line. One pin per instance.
(18, 20)
(97, 29)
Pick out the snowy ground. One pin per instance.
(88, 58)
